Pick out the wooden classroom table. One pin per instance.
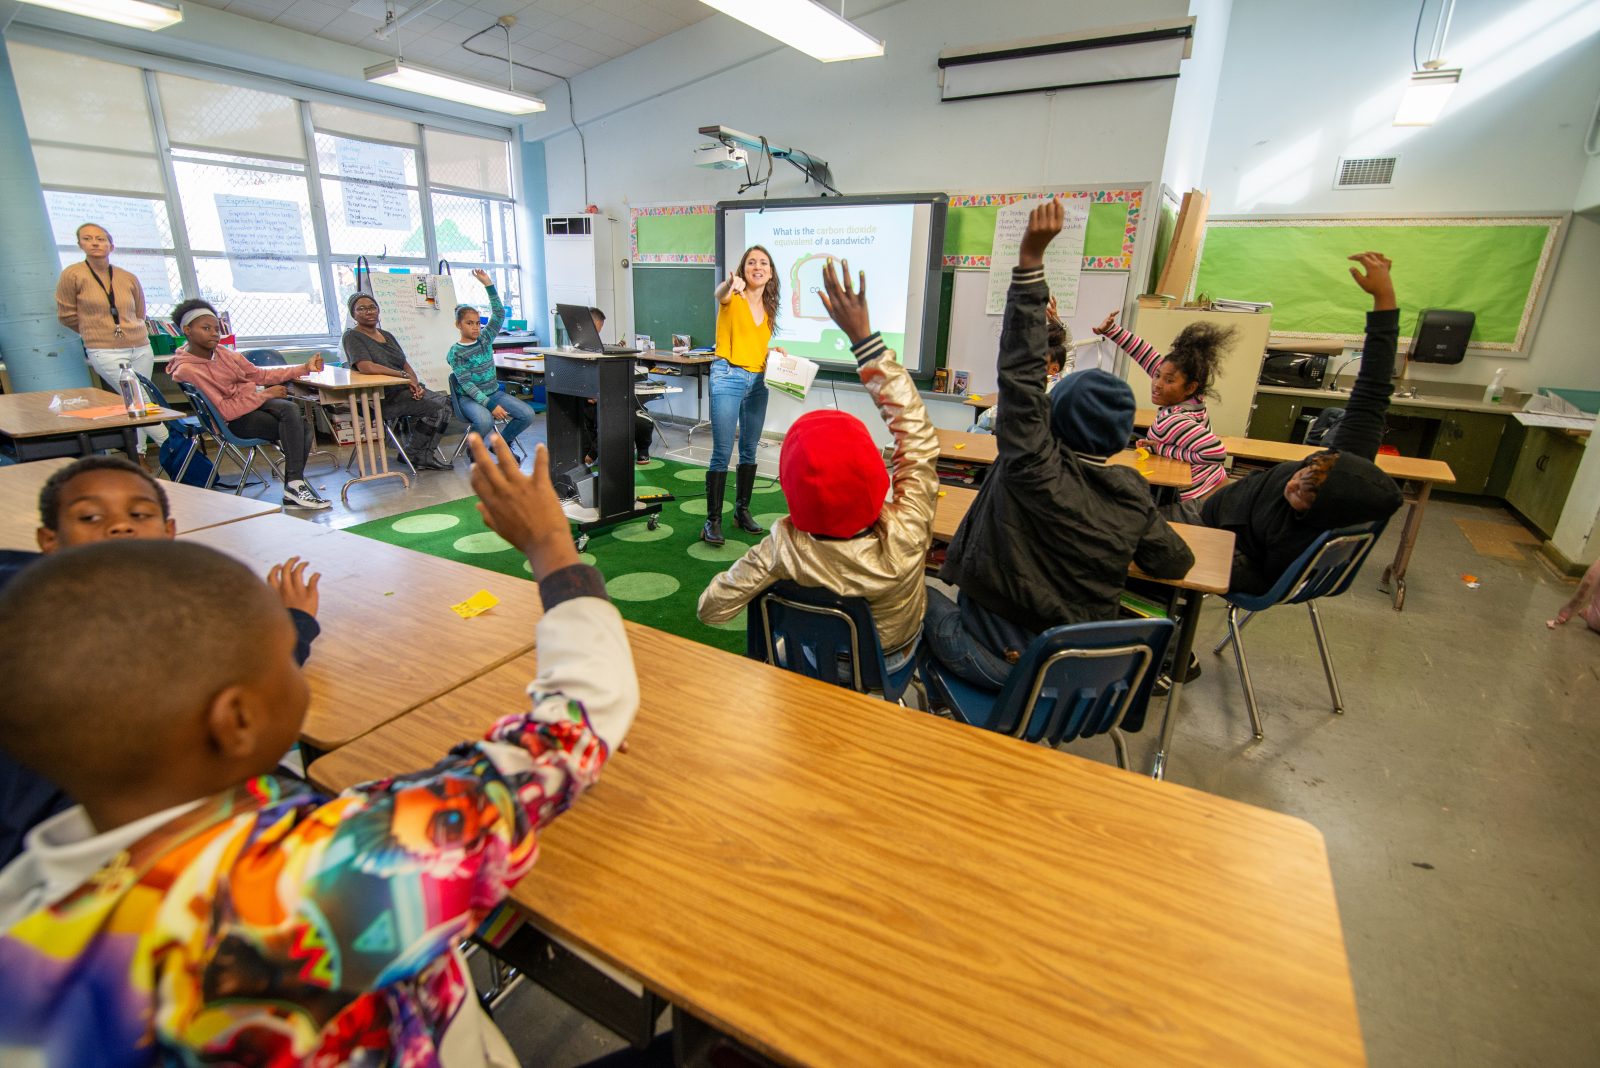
(832, 879)
(193, 508)
(366, 417)
(389, 640)
(984, 449)
(1425, 473)
(1213, 564)
(36, 433)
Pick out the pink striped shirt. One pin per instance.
(1180, 431)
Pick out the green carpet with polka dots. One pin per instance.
(654, 577)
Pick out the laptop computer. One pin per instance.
(580, 328)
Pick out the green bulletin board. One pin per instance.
(1496, 268)
(969, 231)
(675, 300)
(690, 233)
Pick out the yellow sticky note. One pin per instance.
(941, 493)
(475, 605)
(974, 396)
(961, 444)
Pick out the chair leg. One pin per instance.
(244, 476)
(395, 440)
(1327, 658)
(1235, 631)
(1228, 636)
(1121, 744)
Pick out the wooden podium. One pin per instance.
(570, 380)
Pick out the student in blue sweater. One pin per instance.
(483, 400)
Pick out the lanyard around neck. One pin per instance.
(108, 287)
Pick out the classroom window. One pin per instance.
(265, 200)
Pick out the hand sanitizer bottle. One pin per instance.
(1496, 388)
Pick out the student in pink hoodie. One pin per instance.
(251, 400)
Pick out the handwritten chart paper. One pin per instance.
(1063, 260)
(374, 180)
(264, 240)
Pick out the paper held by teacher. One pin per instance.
(1063, 260)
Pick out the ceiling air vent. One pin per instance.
(1368, 172)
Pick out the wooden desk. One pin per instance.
(836, 880)
(982, 401)
(984, 449)
(1425, 473)
(36, 433)
(511, 361)
(193, 508)
(389, 639)
(366, 416)
(1213, 565)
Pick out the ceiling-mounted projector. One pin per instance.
(721, 157)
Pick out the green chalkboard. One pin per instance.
(969, 231)
(675, 300)
(1495, 268)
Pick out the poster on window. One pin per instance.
(373, 188)
(132, 222)
(153, 279)
(264, 241)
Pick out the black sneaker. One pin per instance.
(299, 494)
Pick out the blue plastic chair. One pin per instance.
(466, 424)
(1325, 569)
(187, 427)
(815, 632)
(1072, 682)
(265, 357)
(243, 450)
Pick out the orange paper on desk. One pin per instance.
(475, 605)
(107, 411)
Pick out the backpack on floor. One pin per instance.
(175, 448)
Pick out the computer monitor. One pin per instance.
(1442, 336)
(580, 327)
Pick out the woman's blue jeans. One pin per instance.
(738, 401)
(483, 421)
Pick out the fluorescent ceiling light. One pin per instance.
(1425, 96)
(805, 25)
(140, 14)
(414, 79)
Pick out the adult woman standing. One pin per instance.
(747, 309)
(375, 352)
(105, 307)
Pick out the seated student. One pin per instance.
(1276, 514)
(1049, 538)
(102, 498)
(375, 352)
(483, 398)
(1180, 382)
(1057, 362)
(839, 533)
(193, 908)
(251, 400)
(643, 427)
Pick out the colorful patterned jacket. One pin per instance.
(270, 925)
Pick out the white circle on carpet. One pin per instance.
(693, 506)
(583, 558)
(653, 465)
(428, 523)
(487, 542)
(693, 474)
(639, 530)
(642, 586)
(725, 553)
(767, 519)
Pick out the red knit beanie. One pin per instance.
(832, 474)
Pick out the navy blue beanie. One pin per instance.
(1092, 412)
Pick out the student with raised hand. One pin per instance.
(108, 498)
(483, 398)
(1180, 382)
(839, 533)
(1276, 514)
(252, 400)
(194, 909)
(1055, 525)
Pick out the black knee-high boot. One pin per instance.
(716, 486)
(744, 485)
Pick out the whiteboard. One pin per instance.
(426, 333)
(975, 336)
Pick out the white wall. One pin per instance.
(1189, 135)
(1307, 82)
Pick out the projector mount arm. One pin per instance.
(813, 168)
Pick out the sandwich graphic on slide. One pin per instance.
(805, 283)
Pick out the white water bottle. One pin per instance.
(132, 394)
(1496, 388)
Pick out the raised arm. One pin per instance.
(1361, 429)
(728, 287)
(1141, 350)
(1024, 437)
(497, 311)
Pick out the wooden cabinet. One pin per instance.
(1546, 464)
(1468, 442)
(1272, 417)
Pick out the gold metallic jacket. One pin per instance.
(883, 565)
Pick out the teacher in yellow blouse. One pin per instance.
(747, 310)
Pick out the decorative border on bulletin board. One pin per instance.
(1133, 198)
(657, 210)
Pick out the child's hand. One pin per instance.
(290, 582)
(1051, 311)
(846, 305)
(483, 277)
(522, 508)
(1376, 281)
(1146, 444)
(1044, 223)
(1107, 326)
(499, 412)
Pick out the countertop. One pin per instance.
(1438, 396)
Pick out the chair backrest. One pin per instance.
(264, 357)
(455, 396)
(815, 632)
(1081, 680)
(1328, 566)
